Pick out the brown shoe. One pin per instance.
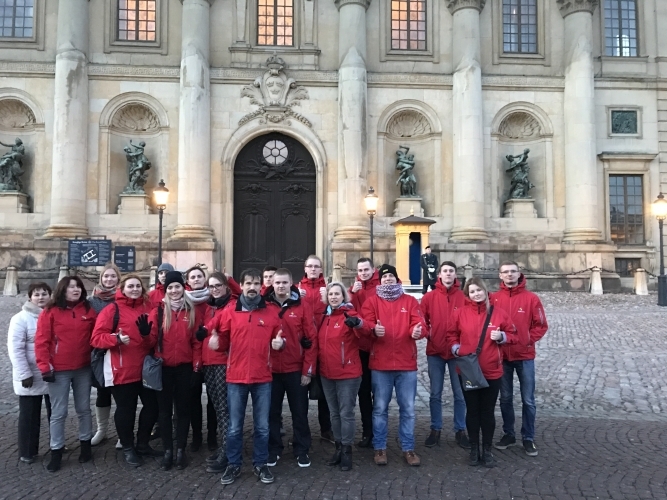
(380, 457)
(412, 458)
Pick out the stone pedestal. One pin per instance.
(404, 207)
(134, 204)
(520, 208)
(13, 202)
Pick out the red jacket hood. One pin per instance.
(520, 287)
(370, 283)
(439, 287)
(121, 298)
(313, 283)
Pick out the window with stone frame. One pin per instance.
(275, 22)
(620, 28)
(520, 26)
(626, 209)
(17, 18)
(408, 24)
(137, 20)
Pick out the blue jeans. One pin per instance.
(406, 390)
(237, 399)
(79, 380)
(436, 375)
(525, 371)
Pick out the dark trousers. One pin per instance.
(30, 415)
(103, 397)
(176, 387)
(323, 415)
(216, 389)
(480, 405)
(126, 396)
(297, 397)
(427, 284)
(366, 396)
(196, 415)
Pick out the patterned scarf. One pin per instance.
(104, 293)
(389, 292)
(199, 296)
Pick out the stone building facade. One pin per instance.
(269, 119)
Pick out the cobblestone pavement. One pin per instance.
(601, 430)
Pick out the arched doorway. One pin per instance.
(274, 204)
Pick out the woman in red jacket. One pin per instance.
(127, 347)
(173, 330)
(340, 369)
(62, 350)
(463, 337)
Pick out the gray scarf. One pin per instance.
(250, 304)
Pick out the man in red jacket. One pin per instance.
(438, 308)
(527, 314)
(248, 331)
(293, 366)
(362, 288)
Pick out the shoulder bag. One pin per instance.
(97, 356)
(151, 372)
(472, 377)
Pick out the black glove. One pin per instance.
(352, 321)
(201, 334)
(306, 343)
(49, 377)
(143, 325)
(197, 379)
(27, 382)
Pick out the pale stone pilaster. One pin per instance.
(70, 123)
(468, 142)
(194, 125)
(581, 183)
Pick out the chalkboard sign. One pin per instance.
(84, 253)
(125, 258)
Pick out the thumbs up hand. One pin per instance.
(352, 321)
(279, 342)
(123, 339)
(417, 331)
(356, 286)
(214, 341)
(379, 329)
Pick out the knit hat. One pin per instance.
(388, 269)
(165, 266)
(173, 277)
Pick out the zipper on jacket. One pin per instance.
(120, 354)
(56, 351)
(342, 353)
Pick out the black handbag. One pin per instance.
(151, 371)
(472, 377)
(97, 356)
(315, 391)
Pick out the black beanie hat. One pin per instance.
(387, 268)
(173, 277)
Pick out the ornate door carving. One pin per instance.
(274, 204)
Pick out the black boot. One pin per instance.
(131, 457)
(433, 439)
(86, 452)
(181, 459)
(335, 459)
(167, 460)
(346, 458)
(214, 457)
(146, 450)
(220, 463)
(56, 459)
(474, 454)
(155, 433)
(487, 457)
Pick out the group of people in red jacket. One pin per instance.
(266, 337)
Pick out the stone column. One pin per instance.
(581, 186)
(352, 112)
(70, 123)
(468, 141)
(194, 125)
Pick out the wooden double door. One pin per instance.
(274, 204)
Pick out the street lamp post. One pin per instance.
(660, 211)
(161, 195)
(371, 201)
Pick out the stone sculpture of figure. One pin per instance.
(11, 166)
(406, 179)
(137, 167)
(520, 185)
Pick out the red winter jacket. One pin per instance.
(526, 312)
(209, 356)
(296, 322)
(396, 350)
(466, 330)
(62, 339)
(122, 363)
(338, 346)
(246, 336)
(179, 344)
(313, 297)
(157, 294)
(438, 308)
(357, 299)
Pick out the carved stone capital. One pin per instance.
(456, 5)
(363, 3)
(209, 1)
(568, 7)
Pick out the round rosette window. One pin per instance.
(275, 152)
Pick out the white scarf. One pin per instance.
(199, 296)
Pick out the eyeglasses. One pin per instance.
(313, 267)
(216, 287)
(511, 271)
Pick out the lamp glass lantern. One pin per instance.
(371, 202)
(660, 207)
(161, 195)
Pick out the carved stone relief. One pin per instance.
(519, 125)
(15, 115)
(454, 5)
(570, 6)
(408, 123)
(135, 118)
